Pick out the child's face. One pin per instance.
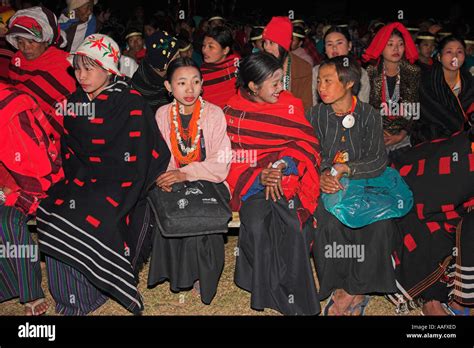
(330, 89)
(426, 48)
(186, 85)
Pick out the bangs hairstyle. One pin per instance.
(181, 63)
(256, 68)
(81, 60)
(223, 36)
(450, 38)
(397, 32)
(348, 70)
(335, 29)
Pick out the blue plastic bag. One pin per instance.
(365, 201)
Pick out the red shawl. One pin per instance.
(273, 131)
(219, 80)
(380, 40)
(47, 80)
(29, 162)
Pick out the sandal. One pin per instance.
(466, 312)
(328, 305)
(32, 306)
(359, 306)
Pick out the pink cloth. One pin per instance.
(216, 166)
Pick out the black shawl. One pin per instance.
(440, 112)
(151, 86)
(97, 219)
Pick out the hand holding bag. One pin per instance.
(191, 209)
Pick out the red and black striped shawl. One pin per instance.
(273, 131)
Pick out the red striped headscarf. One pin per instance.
(374, 51)
(273, 131)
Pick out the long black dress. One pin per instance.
(96, 221)
(369, 267)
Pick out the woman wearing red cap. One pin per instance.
(297, 74)
(394, 83)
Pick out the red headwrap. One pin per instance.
(380, 41)
(280, 31)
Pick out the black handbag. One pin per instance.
(191, 209)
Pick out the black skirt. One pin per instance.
(356, 260)
(183, 261)
(273, 260)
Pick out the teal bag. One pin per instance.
(365, 201)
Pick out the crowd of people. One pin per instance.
(95, 113)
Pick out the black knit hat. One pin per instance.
(160, 49)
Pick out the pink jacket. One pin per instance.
(218, 149)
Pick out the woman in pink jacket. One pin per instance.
(196, 134)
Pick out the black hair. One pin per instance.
(256, 68)
(418, 40)
(152, 21)
(283, 54)
(397, 32)
(450, 38)
(84, 60)
(180, 63)
(336, 29)
(256, 31)
(299, 30)
(223, 36)
(348, 70)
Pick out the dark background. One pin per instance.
(329, 9)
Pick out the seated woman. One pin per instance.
(394, 84)
(446, 94)
(195, 132)
(433, 262)
(93, 226)
(40, 68)
(219, 67)
(29, 165)
(275, 185)
(337, 42)
(351, 138)
(297, 73)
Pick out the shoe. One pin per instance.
(359, 306)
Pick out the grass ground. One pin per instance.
(229, 300)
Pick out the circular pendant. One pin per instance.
(348, 121)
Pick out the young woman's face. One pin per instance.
(269, 91)
(426, 48)
(330, 89)
(452, 56)
(394, 50)
(186, 85)
(271, 47)
(212, 51)
(31, 49)
(93, 79)
(135, 43)
(337, 45)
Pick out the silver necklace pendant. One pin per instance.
(348, 121)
